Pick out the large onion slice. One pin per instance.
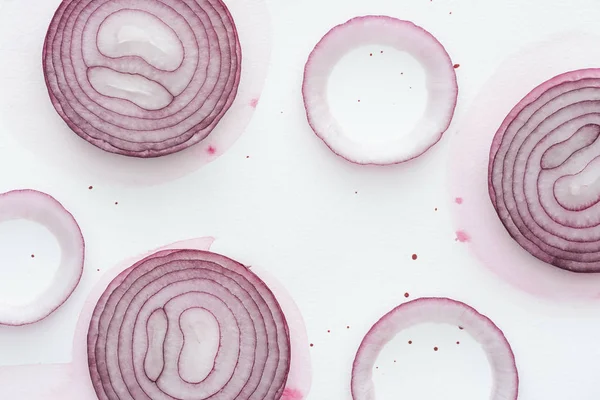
(142, 78)
(544, 178)
(403, 36)
(188, 324)
(444, 311)
(47, 211)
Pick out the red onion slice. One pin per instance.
(142, 78)
(47, 211)
(443, 311)
(403, 36)
(543, 171)
(188, 324)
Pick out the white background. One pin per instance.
(337, 235)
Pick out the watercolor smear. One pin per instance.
(487, 238)
(27, 113)
(72, 381)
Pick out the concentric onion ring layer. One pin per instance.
(544, 171)
(142, 78)
(152, 332)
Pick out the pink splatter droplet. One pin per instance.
(211, 150)
(291, 394)
(253, 103)
(462, 236)
(458, 200)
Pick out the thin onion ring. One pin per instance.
(404, 36)
(44, 209)
(184, 280)
(170, 106)
(437, 310)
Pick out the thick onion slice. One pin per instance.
(45, 210)
(142, 78)
(188, 324)
(544, 178)
(443, 311)
(403, 36)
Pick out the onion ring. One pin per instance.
(543, 179)
(44, 209)
(157, 314)
(444, 311)
(142, 78)
(403, 36)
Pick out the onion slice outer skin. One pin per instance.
(437, 310)
(402, 35)
(44, 209)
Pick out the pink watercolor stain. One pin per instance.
(291, 394)
(253, 103)
(458, 200)
(211, 150)
(462, 236)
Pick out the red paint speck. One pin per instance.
(456, 66)
(414, 257)
(312, 345)
(253, 103)
(435, 349)
(359, 100)
(33, 256)
(458, 200)
(457, 342)
(211, 150)
(406, 294)
(348, 327)
(116, 203)
(90, 188)
(370, 54)
(410, 342)
(291, 394)
(462, 236)
(247, 156)
(328, 331)
(461, 328)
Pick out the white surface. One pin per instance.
(344, 256)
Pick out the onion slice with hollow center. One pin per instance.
(443, 311)
(544, 165)
(45, 210)
(188, 324)
(403, 36)
(142, 78)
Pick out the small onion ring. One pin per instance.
(150, 299)
(541, 171)
(44, 209)
(142, 100)
(403, 36)
(443, 311)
